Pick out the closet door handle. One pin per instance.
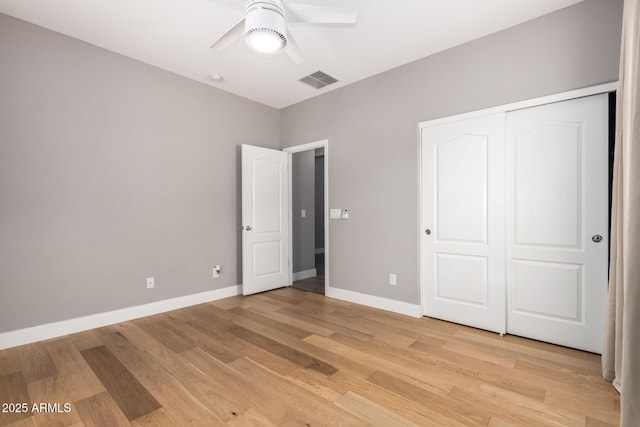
(427, 231)
(597, 238)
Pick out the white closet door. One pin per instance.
(463, 211)
(557, 207)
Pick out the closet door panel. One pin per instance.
(557, 201)
(463, 218)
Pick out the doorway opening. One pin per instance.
(308, 216)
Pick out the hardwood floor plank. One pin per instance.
(25, 422)
(251, 418)
(566, 376)
(510, 415)
(51, 390)
(211, 345)
(302, 407)
(182, 315)
(238, 395)
(161, 329)
(381, 334)
(142, 365)
(312, 380)
(266, 321)
(299, 320)
(548, 413)
(145, 342)
(79, 381)
(10, 362)
(206, 390)
(444, 405)
(527, 348)
(101, 411)
(130, 396)
(157, 418)
(225, 320)
(480, 353)
(417, 412)
(36, 362)
(282, 295)
(443, 374)
(370, 412)
(240, 387)
(591, 422)
(483, 371)
(13, 390)
(85, 340)
(184, 407)
(283, 351)
(318, 352)
(599, 406)
(334, 326)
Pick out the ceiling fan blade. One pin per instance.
(233, 34)
(293, 50)
(305, 13)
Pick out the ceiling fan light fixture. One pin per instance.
(265, 28)
(266, 41)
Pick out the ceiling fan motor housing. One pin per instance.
(265, 17)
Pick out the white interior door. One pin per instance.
(557, 208)
(463, 220)
(265, 235)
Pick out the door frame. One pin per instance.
(324, 143)
(564, 96)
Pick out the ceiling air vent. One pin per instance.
(318, 80)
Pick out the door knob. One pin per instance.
(247, 227)
(597, 238)
(427, 231)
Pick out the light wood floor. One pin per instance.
(294, 358)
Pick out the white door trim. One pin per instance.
(549, 99)
(324, 143)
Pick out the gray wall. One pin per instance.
(303, 197)
(111, 171)
(372, 127)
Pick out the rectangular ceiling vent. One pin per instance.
(318, 80)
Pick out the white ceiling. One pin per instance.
(175, 35)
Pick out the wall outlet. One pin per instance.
(392, 279)
(150, 283)
(303, 213)
(216, 270)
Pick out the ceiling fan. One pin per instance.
(264, 25)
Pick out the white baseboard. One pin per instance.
(79, 324)
(301, 275)
(413, 310)
(319, 251)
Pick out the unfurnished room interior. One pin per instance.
(319, 213)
